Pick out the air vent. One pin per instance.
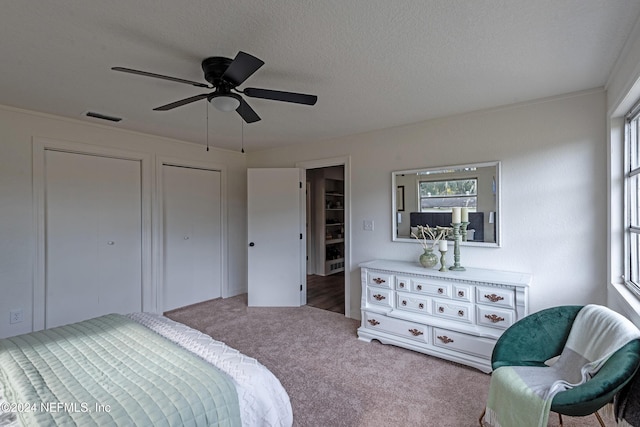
(102, 116)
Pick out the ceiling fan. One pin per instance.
(224, 76)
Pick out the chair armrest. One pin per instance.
(600, 390)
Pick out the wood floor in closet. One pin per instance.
(326, 292)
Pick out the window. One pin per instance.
(435, 195)
(632, 189)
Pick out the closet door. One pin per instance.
(93, 246)
(192, 236)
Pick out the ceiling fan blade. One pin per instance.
(181, 102)
(159, 76)
(246, 112)
(242, 66)
(277, 95)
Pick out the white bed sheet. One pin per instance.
(263, 400)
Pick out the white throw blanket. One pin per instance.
(263, 400)
(520, 396)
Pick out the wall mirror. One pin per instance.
(426, 196)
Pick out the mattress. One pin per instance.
(130, 371)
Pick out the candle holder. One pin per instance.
(442, 253)
(456, 248)
(463, 230)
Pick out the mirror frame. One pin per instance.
(498, 218)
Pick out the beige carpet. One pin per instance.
(334, 379)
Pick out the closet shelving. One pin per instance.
(333, 226)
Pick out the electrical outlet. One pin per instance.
(16, 316)
(367, 225)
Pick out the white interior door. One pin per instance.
(93, 249)
(275, 225)
(192, 236)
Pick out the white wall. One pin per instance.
(17, 234)
(553, 189)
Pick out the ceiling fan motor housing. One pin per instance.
(214, 67)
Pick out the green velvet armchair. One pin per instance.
(541, 336)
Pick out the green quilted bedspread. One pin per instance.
(112, 371)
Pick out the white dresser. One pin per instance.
(455, 315)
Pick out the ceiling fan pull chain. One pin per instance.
(242, 135)
(207, 107)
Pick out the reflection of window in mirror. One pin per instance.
(439, 195)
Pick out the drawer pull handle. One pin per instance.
(494, 318)
(461, 294)
(494, 297)
(445, 339)
(440, 291)
(379, 297)
(421, 306)
(379, 280)
(460, 313)
(404, 302)
(440, 309)
(401, 284)
(419, 287)
(416, 332)
(373, 322)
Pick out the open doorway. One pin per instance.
(326, 238)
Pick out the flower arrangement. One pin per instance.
(430, 236)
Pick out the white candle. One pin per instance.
(455, 215)
(442, 245)
(465, 214)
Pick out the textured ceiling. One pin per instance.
(373, 63)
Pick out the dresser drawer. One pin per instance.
(464, 343)
(429, 287)
(453, 310)
(379, 296)
(382, 280)
(495, 317)
(402, 328)
(413, 303)
(498, 297)
(462, 293)
(403, 283)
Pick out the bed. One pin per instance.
(138, 369)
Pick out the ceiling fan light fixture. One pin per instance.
(225, 101)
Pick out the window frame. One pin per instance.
(632, 199)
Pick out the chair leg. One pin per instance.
(600, 420)
(481, 417)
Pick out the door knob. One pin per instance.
(252, 244)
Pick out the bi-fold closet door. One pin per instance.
(93, 240)
(192, 235)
